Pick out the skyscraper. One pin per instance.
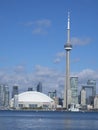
(96, 102)
(67, 47)
(74, 89)
(39, 87)
(83, 97)
(14, 91)
(4, 96)
(1, 95)
(93, 84)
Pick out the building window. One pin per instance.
(45, 106)
(32, 105)
(21, 105)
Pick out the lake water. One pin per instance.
(53, 120)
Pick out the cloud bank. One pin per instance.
(80, 41)
(59, 57)
(51, 79)
(39, 26)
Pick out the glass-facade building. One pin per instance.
(39, 87)
(90, 89)
(83, 97)
(52, 94)
(92, 83)
(4, 96)
(1, 95)
(74, 89)
(14, 91)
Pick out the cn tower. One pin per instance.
(67, 47)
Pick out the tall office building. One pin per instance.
(74, 89)
(15, 101)
(4, 96)
(92, 83)
(1, 95)
(83, 97)
(67, 47)
(96, 102)
(39, 87)
(14, 91)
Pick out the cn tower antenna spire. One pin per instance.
(68, 20)
(68, 29)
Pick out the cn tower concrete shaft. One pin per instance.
(67, 89)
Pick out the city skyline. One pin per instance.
(32, 36)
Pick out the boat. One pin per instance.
(73, 108)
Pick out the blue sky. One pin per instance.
(32, 38)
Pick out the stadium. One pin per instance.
(32, 100)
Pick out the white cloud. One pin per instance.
(86, 74)
(51, 79)
(59, 57)
(39, 31)
(43, 23)
(30, 23)
(19, 69)
(39, 26)
(76, 60)
(78, 41)
(39, 70)
(61, 54)
(57, 60)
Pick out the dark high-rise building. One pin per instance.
(39, 87)
(14, 91)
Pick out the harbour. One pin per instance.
(48, 120)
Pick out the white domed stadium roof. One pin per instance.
(33, 96)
